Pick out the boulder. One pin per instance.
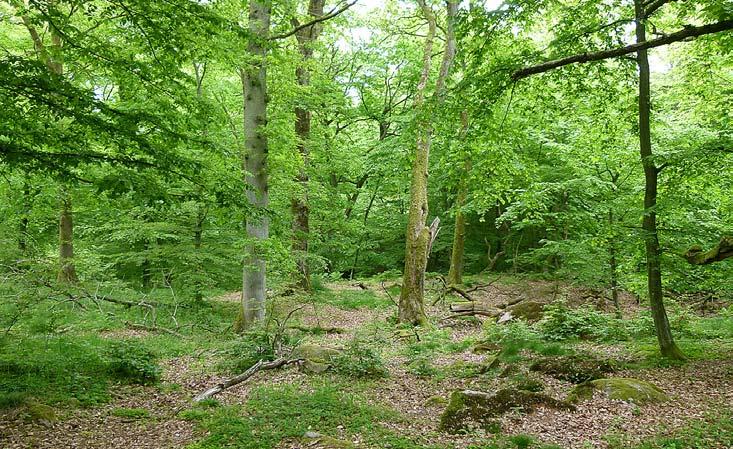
(468, 408)
(573, 368)
(317, 359)
(636, 391)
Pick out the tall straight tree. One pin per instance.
(254, 87)
(419, 236)
(306, 37)
(642, 11)
(51, 56)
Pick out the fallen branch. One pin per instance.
(259, 366)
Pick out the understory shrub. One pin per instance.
(360, 360)
(563, 323)
(129, 360)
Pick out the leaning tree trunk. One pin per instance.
(418, 236)
(254, 84)
(306, 37)
(651, 173)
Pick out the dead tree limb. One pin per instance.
(259, 366)
(722, 251)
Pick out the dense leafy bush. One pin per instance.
(563, 323)
(360, 360)
(129, 360)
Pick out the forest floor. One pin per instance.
(396, 383)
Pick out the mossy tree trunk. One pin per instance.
(651, 173)
(254, 86)
(306, 37)
(418, 236)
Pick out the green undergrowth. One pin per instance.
(71, 369)
(276, 413)
(351, 299)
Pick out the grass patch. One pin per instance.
(286, 412)
(352, 299)
(714, 431)
(131, 413)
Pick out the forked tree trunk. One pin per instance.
(418, 236)
(67, 270)
(299, 203)
(254, 84)
(651, 173)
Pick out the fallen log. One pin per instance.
(722, 251)
(259, 366)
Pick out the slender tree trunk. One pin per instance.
(613, 265)
(455, 273)
(67, 270)
(418, 236)
(24, 218)
(306, 37)
(146, 268)
(201, 210)
(651, 173)
(254, 83)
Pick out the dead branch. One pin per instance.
(259, 366)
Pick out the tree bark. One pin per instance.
(67, 270)
(651, 172)
(299, 204)
(254, 84)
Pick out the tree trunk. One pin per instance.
(418, 237)
(613, 264)
(299, 204)
(455, 273)
(411, 305)
(254, 84)
(201, 210)
(649, 224)
(67, 270)
(24, 218)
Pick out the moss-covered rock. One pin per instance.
(530, 311)
(573, 368)
(636, 391)
(468, 408)
(317, 359)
